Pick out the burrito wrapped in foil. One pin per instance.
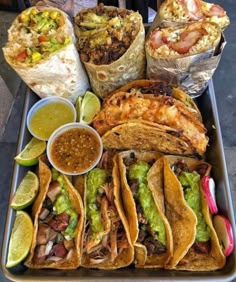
(41, 50)
(111, 46)
(185, 55)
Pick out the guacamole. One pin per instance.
(63, 204)
(95, 179)
(139, 172)
(191, 184)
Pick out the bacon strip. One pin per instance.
(192, 8)
(187, 40)
(156, 39)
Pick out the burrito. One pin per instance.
(58, 222)
(196, 246)
(184, 11)
(106, 239)
(142, 193)
(178, 42)
(111, 46)
(163, 123)
(41, 50)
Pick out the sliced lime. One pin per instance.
(31, 152)
(26, 191)
(20, 240)
(90, 106)
(78, 107)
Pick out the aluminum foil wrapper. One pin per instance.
(191, 73)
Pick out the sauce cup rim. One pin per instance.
(65, 128)
(42, 102)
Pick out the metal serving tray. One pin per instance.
(215, 156)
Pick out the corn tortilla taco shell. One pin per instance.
(183, 221)
(143, 259)
(105, 78)
(73, 260)
(117, 256)
(143, 136)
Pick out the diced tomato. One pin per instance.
(42, 38)
(164, 39)
(22, 56)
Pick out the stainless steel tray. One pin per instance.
(214, 155)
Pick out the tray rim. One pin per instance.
(10, 215)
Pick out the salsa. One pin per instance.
(49, 117)
(75, 150)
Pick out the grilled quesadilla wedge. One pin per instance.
(142, 194)
(184, 11)
(196, 245)
(145, 86)
(107, 243)
(58, 222)
(155, 110)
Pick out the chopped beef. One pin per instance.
(180, 166)
(44, 213)
(202, 247)
(39, 254)
(54, 191)
(154, 246)
(142, 235)
(157, 88)
(201, 169)
(59, 250)
(52, 235)
(69, 244)
(43, 234)
(59, 222)
(133, 186)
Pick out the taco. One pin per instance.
(41, 50)
(195, 243)
(109, 40)
(106, 239)
(184, 11)
(158, 112)
(145, 86)
(58, 222)
(142, 194)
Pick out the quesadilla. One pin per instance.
(161, 113)
(106, 239)
(109, 40)
(58, 222)
(142, 194)
(196, 246)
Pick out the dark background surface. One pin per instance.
(225, 89)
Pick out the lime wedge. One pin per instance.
(78, 106)
(20, 240)
(89, 107)
(31, 152)
(26, 191)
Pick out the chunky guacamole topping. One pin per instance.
(95, 179)
(139, 172)
(190, 181)
(42, 30)
(63, 204)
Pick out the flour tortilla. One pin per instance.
(61, 74)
